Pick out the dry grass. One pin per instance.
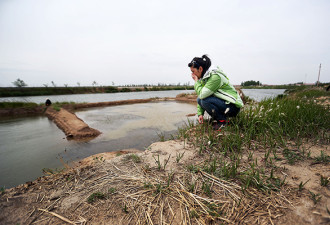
(149, 196)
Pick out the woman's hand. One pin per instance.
(200, 119)
(194, 77)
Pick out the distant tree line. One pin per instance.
(20, 83)
(251, 83)
(18, 90)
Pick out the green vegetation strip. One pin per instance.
(7, 105)
(276, 126)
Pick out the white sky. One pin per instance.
(152, 41)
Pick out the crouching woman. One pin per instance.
(215, 94)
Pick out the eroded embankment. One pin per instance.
(70, 124)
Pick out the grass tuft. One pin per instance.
(97, 195)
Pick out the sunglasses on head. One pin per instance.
(194, 64)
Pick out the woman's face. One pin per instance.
(197, 72)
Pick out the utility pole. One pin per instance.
(318, 79)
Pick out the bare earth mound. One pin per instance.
(70, 124)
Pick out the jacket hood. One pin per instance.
(210, 70)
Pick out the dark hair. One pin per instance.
(204, 62)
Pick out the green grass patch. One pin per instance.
(10, 105)
(276, 125)
(291, 156)
(323, 158)
(324, 181)
(311, 93)
(2, 190)
(97, 195)
(56, 107)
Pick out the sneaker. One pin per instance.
(219, 125)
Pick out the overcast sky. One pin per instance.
(152, 41)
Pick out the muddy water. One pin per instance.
(27, 146)
(118, 122)
(30, 144)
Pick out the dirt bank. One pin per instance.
(70, 124)
(160, 186)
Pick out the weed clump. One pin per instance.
(323, 158)
(2, 190)
(97, 195)
(135, 158)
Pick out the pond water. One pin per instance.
(260, 94)
(30, 144)
(101, 97)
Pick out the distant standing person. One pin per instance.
(48, 102)
(215, 94)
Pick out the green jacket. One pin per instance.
(215, 82)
